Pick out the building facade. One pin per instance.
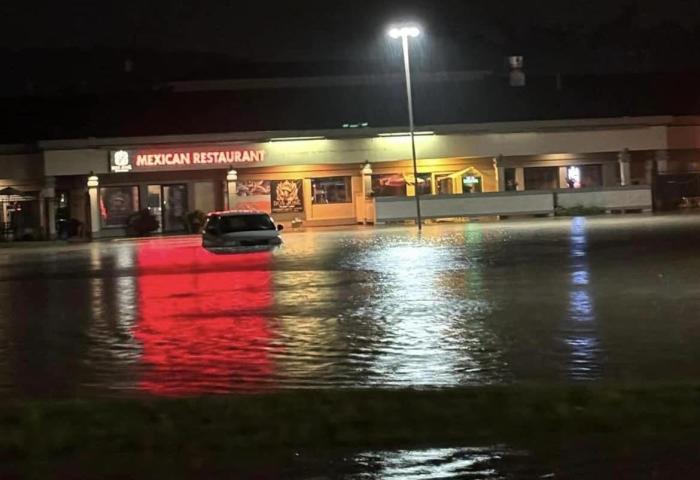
(331, 177)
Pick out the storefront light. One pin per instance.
(296, 139)
(232, 175)
(407, 134)
(93, 181)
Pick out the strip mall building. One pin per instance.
(334, 177)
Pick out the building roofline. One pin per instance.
(368, 132)
(18, 148)
(320, 81)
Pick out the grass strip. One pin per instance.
(212, 430)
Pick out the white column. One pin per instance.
(366, 189)
(520, 178)
(623, 159)
(93, 184)
(562, 177)
(231, 180)
(500, 174)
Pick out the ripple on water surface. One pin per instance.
(554, 301)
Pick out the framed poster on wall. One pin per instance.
(253, 195)
(388, 185)
(287, 196)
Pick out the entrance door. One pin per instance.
(155, 204)
(174, 207)
(168, 203)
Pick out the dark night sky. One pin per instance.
(298, 30)
(582, 58)
(63, 44)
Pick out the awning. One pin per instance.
(9, 194)
(460, 173)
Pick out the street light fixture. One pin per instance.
(404, 32)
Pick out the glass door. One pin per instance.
(174, 207)
(155, 204)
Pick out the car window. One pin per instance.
(245, 223)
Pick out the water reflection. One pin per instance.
(113, 306)
(443, 463)
(580, 329)
(315, 348)
(204, 330)
(424, 301)
(408, 307)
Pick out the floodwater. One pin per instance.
(607, 299)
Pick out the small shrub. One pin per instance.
(194, 221)
(141, 223)
(578, 211)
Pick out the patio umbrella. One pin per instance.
(9, 194)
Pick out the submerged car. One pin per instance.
(240, 230)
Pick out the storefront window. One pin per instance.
(388, 185)
(584, 176)
(331, 190)
(425, 181)
(573, 176)
(444, 184)
(541, 178)
(117, 203)
(591, 176)
(509, 180)
(471, 184)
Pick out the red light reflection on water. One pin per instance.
(202, 319)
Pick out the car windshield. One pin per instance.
(245, 223)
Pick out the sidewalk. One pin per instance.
(29, 244)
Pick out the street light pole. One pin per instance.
(404, 32)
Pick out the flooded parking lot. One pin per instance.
(606, 299)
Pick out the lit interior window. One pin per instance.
(573, 177)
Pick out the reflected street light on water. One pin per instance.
(404, 32)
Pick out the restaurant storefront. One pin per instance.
(170, 182)
(331, 177)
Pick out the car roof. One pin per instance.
(228, 213)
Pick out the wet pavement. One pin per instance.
(605, 299)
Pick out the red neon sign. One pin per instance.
(183, 158)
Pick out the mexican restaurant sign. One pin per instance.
(184, 158)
